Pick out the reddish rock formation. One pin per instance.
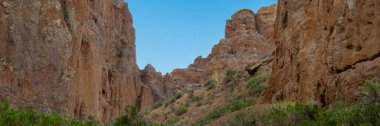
(154, 91)
(74, 57)
(326, 50)
(248, 39)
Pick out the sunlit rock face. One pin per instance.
(248, 39)
(326, 50)
(75, 57)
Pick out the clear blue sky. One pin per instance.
(172, 33)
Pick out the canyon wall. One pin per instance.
(326, 50)
(248, 39)
(154, 90)
(76, 57)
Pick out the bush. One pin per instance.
(339, 113)
(232, 107)
(193, 98)
(255, 86)
(131, 118)
(230, 76)
(293, 114)
(176, 122)
(243, 118)
(181, 110)
(29, 117)
(210, 84)
(365, 112)
(66, 15)
(173, 99)
(177, 96)
(372, 94)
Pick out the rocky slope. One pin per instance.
(248, 40)
(326, 50)
(74, 57)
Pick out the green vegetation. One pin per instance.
(232, 107)
(177, 122)
(210, 84)
(177, 96)
(372, 94)
(66, 15)
(29, 117)
(173, 99)
(243, 118)
(229, 77)
(255, 86)
(193, 98)
(131, 118)
(181, 110)
(366, 112)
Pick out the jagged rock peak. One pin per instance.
(267, 10)
(150, 67)
(242, 14)
(241, 21)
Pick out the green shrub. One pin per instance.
(339, 113)
(255, 86)
(181, 110)
(243, 118)
(232, 107)
(229, 77)
(365, 112)
(193, 98)
(131, 118)
(177, 122)
(372, 94)
(177, 96)
(29, 117)
(210, 84)
(66, 15)
(173, 99)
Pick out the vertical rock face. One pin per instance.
(248, 39)
(154, 88)
(326, 49)
(76, 57)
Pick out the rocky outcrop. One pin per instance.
(74, 57)
(326, 50)
(154, 89)
(248, 39)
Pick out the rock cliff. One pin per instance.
(75, 57)
(154, 90)
(326, 50)
(248, 39)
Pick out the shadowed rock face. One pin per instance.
(248, 39)
(76, 57)
(155, 90)
(326, 50)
